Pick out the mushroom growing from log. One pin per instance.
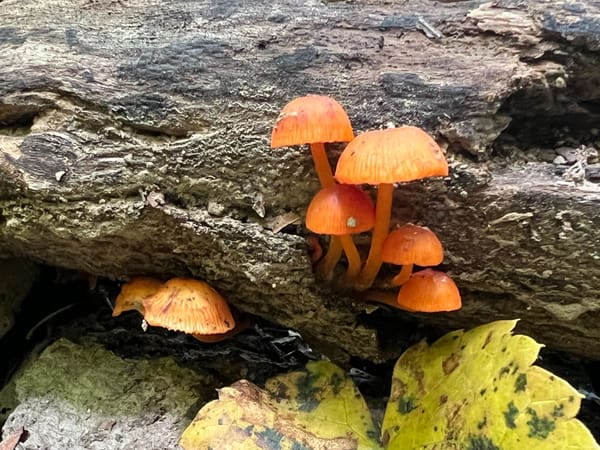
(429, 291)
(340, 210)
(409, 245)
(382, 158)
(314, 120)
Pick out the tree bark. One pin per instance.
(134, 139)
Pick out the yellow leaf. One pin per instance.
(317, 408)
(478, 390)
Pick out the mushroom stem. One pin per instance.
(352, 255)
(326, 179)
(383, 212)
(403, 276)
(322, 164)
(331, 258)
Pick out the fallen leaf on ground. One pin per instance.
(10, 442)
(478, 390)
(317, 408)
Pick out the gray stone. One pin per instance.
(81, 396)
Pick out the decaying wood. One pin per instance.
(134, 139)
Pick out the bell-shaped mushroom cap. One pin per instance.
(391, 156)
(412, 244)
(311, 119)
(340, 209)
(429, 291)
(188, 305)
(133, 292)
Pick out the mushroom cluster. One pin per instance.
(180, 304)
(341, 208)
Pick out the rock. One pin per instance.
(83, 396)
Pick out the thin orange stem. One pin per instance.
(322, 164)
(326, 179)
(383, 212)
(352, 255)
(403, 276)
(327, 264)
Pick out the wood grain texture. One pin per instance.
(134, 139)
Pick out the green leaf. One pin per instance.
(478, 390)
(317, 408)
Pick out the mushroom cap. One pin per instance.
(429, 291)
(188, 305)
(311, 119)
(133, 292)
(412, 244)
(340, 209)
(390, 156)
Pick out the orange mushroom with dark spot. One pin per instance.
(382, 158)
(188, 305)
(429, 291)
(409, 245)
(314, 120)
(134, 292)
(340, 210)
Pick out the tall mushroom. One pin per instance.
(313, 120)
(382, 158)
(409, 245)
(340, 210)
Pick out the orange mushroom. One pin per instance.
(340, 210)
(188, 305)
(429, 291)
(409, 245)
(314, 120)
(385, 157)
(134, 292)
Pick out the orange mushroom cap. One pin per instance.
(311, 119)
(134, 292)
(391, 156)
(188, 305)
(412, 244)
(429, 291)
(340, 209)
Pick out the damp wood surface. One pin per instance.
(134, 140)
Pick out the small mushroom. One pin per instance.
(134, 292)
(340, 210)
(429, 291)
(382, 158)
(409, 245)
(188, 305)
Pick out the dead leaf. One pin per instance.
(10, 443)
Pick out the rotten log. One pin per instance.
(134, 139)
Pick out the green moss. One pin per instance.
(93, 378)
